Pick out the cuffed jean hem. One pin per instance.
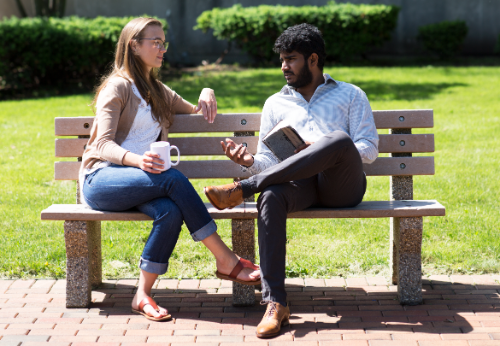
(204, 232)
(152, 267)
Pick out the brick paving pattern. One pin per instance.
(363, 311)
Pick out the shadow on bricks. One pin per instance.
(451, 309)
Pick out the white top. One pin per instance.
(144, 130)
(334, 106)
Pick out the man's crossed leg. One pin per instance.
(328, 173)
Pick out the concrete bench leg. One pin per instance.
(401, 189)
(406, 240)
(83, 263)
(407, 259)
(243, 234)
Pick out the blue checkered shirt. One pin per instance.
(334, 106)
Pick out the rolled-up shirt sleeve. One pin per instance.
(362, 127)
(264, 157)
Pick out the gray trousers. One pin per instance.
(329, 173)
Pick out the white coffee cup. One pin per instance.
(163, 149)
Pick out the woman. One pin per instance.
(133, 110)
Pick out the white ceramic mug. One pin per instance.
(163, 149)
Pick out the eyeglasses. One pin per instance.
(157, 43)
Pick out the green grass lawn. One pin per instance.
(466, 103)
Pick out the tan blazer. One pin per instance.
(115, 113)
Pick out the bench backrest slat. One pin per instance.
(420, 143)
(186, 123)
(191, 144)
(203, 169)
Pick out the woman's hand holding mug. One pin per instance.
(162, 149)
(151, 162)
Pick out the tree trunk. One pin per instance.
(50, 8)
(21, 9)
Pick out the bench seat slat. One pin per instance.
(186, 123)
(228, 169)
(368, 209)
(421, 143)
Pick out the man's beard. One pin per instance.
(304, 78)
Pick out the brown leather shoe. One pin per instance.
(276, 316)
(225, 196)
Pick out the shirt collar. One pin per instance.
(287, 90)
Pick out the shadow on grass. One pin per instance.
(387, 91)
(243, 89)
(235, 89)
(239, 90)
(447, 309)
(423, 60)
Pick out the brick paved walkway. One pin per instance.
(457, 311)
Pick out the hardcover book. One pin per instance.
(282, 141)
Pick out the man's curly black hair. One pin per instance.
(303, 38)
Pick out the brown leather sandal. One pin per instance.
(242, 263)
(150, 301)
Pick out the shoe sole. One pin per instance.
(266, 336)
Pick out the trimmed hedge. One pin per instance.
(444, 39)
(348, 29)
(55, 52)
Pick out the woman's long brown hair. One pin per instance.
(129, 65)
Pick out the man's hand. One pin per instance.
(237, 153)
(207, 105)
(302, 147)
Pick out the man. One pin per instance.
(336, 122)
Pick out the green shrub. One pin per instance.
(347, 29)
(497, 48)
(444, 39)
(55, 52)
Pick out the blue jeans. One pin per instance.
(168, 198)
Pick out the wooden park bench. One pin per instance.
(82, 226)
